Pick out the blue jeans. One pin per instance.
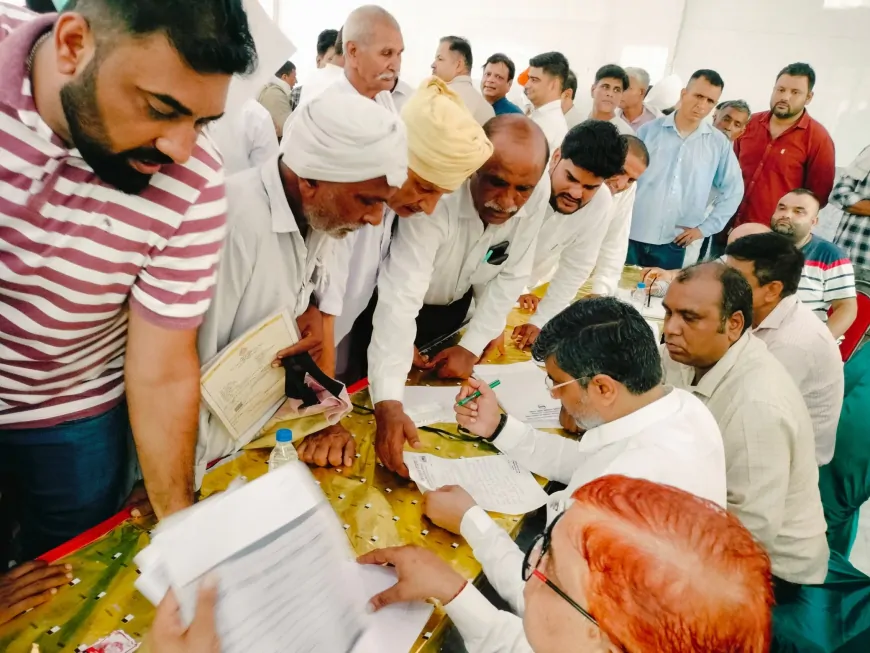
(65, 479)
(668, 256)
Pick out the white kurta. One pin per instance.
(435, 260)
(552, 121)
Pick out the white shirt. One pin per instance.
(570, 244)
(623, 127)
(474, 101)
(266, 266)
(773, 480)
(435, 260)
(614, 249)
(483, 627)
(247, 139)
(574, 116)
(551, 119)
(401, 94)
(808, 351)
(674, 440)
(317, 82)
(346, 295)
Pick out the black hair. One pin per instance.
(710, 75)
(602, 336)
(553, 63)
(612, 71)
(286, 69)
(800, 70)
(637, 147)
(462, 47)
(571, 84)
(325, 40)
(736, 291)
(339, 42)
(596, 146)
(498, 57)
(807, 192)
(775, 258)
(212, 36)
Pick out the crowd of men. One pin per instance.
(386, 219)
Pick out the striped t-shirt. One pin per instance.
(827, 276)
(77, 254)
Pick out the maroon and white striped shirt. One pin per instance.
(77, 254)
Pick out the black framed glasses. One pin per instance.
(540, 547)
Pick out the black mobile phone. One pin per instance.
(497, 254)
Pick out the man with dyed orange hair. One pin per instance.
(632, 566)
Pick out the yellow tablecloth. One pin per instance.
(104, 599)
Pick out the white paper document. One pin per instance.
(496, 483)
(523, 393)
(393, 629)
(430, 404)
(240, 386)
(287, 577)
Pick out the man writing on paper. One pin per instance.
(342, 158)
(480, 243)
(603, 365)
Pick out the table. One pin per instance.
(380, 508)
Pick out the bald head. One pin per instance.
(506, 181)
(748, 229)
(364, 21)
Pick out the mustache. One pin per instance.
(147, 155)
(495, 206)
(387, 77)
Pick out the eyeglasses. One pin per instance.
(552, 386)
(540, 547)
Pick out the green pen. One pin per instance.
(476, 393)
(486, 260)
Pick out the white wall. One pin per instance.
(749, 41)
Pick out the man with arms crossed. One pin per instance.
(479, 243)
(109, 249)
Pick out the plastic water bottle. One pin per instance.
(284, 451)
(638, 297)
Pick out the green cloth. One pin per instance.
(829, 618)
(844, 483)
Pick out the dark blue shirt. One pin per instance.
(505, 106)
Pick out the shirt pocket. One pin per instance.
(485, 273)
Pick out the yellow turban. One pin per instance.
(445, 143)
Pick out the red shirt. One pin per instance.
(801, 157)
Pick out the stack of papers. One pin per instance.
(496, 483)
(523, 393)
(287, 577)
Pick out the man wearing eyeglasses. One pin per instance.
(695, 575)
(603, 365)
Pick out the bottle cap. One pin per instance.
(284, 435)
(641, 285)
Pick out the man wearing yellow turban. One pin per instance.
(445, 146)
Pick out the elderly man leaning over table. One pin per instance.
(720, 601)
(478, 244)
(768, 434)
(341, 160)
(603, 365)
(594, 236)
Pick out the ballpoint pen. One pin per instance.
(476, 394)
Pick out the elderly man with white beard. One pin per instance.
(342, 158)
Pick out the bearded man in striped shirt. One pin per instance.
(112, 215)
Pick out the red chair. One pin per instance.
(861, 326)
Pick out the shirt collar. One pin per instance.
(779, 314)
(14, 51)
(283, 220)
(551, 107)
(704, 128)
(283, 85)
(461, 79)
(633, 423)
(466, 202)
(803, 123)
(714, 377)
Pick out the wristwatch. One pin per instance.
(498, 429)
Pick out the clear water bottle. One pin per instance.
(284, 451)
(639, 296)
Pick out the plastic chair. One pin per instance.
(861, 326)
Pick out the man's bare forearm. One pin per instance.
(860, 208)
(841, 318)
(164, 420)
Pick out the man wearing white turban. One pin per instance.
(341, 160)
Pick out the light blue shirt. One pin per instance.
(675, 190)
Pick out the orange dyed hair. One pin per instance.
(672, 573)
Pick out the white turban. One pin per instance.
(345, 137)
